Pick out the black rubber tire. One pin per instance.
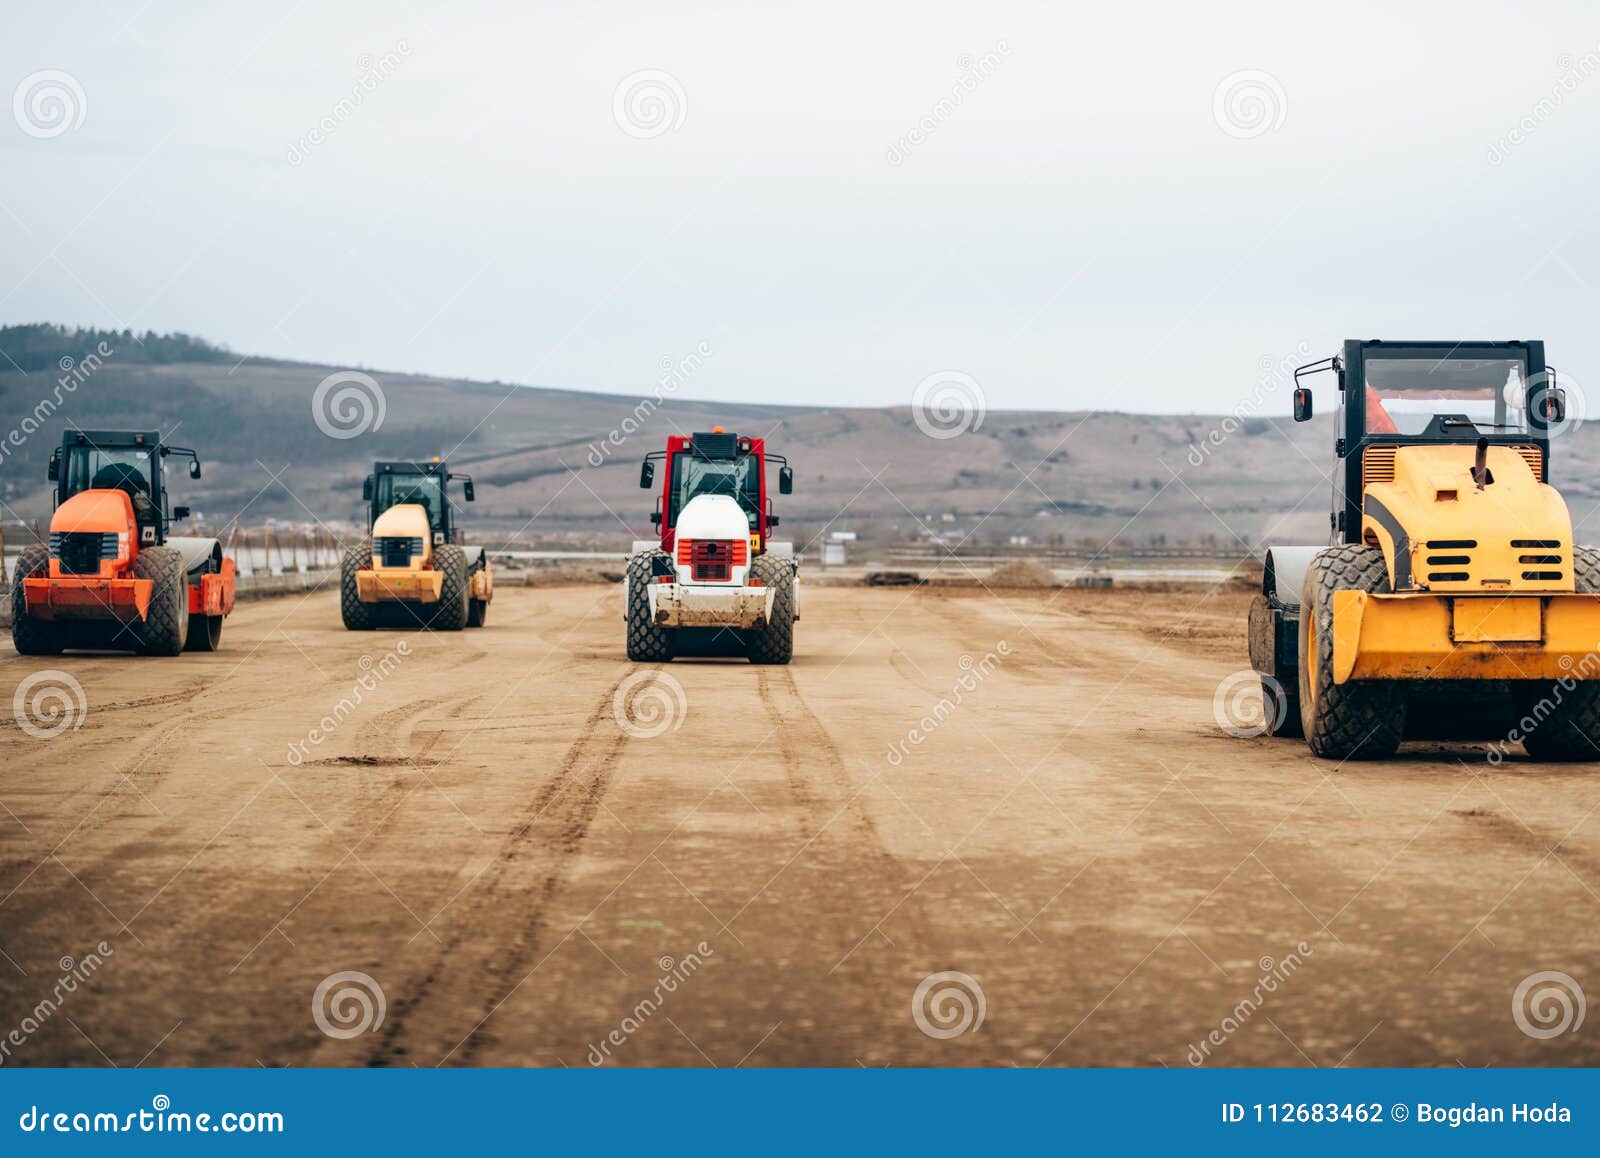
(1566, 720)
(31, 636)
(166, 624)
(647, 643)
(205, 631)
(450, 613)
(1358, 719)
(357, 615)
(774, 643)
(1285, 724)
(477, 609)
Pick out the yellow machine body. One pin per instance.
(1481, 577)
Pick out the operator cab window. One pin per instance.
(399, 489)
(735, 478)
(1448, 397)
(90, 468)
(94, 468)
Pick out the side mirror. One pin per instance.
(647, 474)
(655, 518)
(194, 468)
(180, 512)
(54, 470)
(1302, 404)
(366, 489)
(1553, 406)
(786, 481)
(467, 490)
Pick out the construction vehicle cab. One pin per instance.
(414, 567)
(1451, 557)
(112, 575)
(715, 582)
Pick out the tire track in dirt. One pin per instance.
(497, 924)
(838, 822)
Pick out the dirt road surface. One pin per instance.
(741, 865)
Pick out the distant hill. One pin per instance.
(546, 472)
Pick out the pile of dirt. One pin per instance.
(564, 576)
(1022, 573)
(893, 579)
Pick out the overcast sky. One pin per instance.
(1116, 206)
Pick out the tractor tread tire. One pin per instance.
(450, 613)
(647, 643)
(166, 624)
(1358, 719)
(774, 643)
(31, 636)
(356, 614)
(1570, 727)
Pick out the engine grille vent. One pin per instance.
(80, 552)
(396, 551)
(1377, 462)
(712, 560)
